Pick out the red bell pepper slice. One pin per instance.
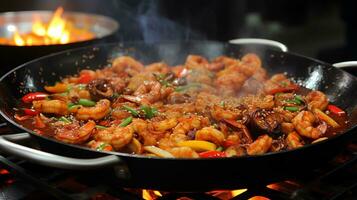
(228, 143)
(288, 88)
(84, 78)
(336, 110)
(28, 98)
(31, 112)
(212, 154)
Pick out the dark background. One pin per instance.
(324, 29)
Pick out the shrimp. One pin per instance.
(164, 125)
(276, 81)
(293, 140)
(120, 114)
(200, 75)
(219, 113)
(260, 146)
(210, 134)
(159, 67)
(225, 60)
(127, 64)
(100, 110)
(316, 99)
(230, 81)
(149, 92)
(195, 61)
(116, 136)
(183, 152)
(186, 124)
(76, 93)
(51, 106)
(287, 127)
(145, 136)
(74, 133)
(136, 81)
(250, 64)
(304, 125)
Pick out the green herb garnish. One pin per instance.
(291, 108)
(188, 86)
(134, 112)
(149, 112)
(65, 120)
(126, 122)
(100, 127)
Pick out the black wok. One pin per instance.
(178, 174)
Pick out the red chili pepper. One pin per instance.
(31, 112)
(335, 110)
(104, 123)
(212, 154)
(228, 143)
(84, 78)
(288, 88)
(28, 98)
(38, 122)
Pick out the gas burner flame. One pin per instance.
(220, 194)
(57, 31)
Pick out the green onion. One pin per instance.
(69, 87)
(219, 149)
(291, 108)
(101, 146)
(149, 112)
(222, 103)
(295, 101)
(284, 84)
(73, 106)
(70, 106)
(131, 110)
(63, 94)
(126, 122)
(116, 95)
(299, 98)
(86, 102)
(188, 86)
(64, 119)
(100, 127)
(81, 86)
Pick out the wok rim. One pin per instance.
(138, 156)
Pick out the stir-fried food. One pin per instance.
(220, 108)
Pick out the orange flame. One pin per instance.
(57, 31)
(150, 194)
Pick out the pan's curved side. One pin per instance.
(191, 174)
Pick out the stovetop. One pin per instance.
(20, 179)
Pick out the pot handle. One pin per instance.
(259, 41)
(345, 64)
(7, 145)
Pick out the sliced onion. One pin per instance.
(159, 152)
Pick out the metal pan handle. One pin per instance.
(259, 41)
(345, 64)
(7, 145)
